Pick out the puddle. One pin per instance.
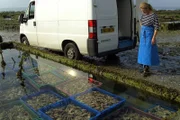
(10, 35)
(24, 73)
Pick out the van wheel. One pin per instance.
(1, 39)
(25, 41)
(71, 51)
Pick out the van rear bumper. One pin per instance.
(92, 47)
(113, 51)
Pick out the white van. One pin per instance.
(80, 27)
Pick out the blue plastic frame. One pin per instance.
(25, 98)
(107, 110)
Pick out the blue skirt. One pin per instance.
(148, 53)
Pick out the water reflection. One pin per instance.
(14, 85)
(3, 64)
(19, 72)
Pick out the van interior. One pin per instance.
(124, 19)
(125, 24)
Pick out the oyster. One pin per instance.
(160, 112)
(97, 100)
(17, 112)
(69, 112)
(44, 99)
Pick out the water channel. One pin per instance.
(24, 74)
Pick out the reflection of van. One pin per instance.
(87, 27)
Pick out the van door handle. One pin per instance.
(34, 23)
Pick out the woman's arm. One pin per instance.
(153, 41)
(156, 25)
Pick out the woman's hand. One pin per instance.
(153, 41)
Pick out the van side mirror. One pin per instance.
(25, 20)
(22, 19)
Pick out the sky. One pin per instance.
(154, 3)
(13, 3)
(165, 3)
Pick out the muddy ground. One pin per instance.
(167, 74)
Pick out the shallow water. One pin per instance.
(14, 85)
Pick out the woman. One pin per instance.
(148, 53)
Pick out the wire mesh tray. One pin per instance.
(48, 78)
(100, 100)
(160, 111)
(130, 113)
(76, 86)
(16, 110)
(40, 99)
(68, 109)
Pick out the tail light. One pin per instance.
(92, 26)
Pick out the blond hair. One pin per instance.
(146, 6)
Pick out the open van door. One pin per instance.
(138, 14)
(115, 25)
(107, 25)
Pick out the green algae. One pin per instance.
(123, 76)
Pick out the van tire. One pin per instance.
(1, 39)
(24, 40)
(71, 51)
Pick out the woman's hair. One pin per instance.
(146, 6)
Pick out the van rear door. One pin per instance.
(107, 25)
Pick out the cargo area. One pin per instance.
(125, 24)
(125, 17)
